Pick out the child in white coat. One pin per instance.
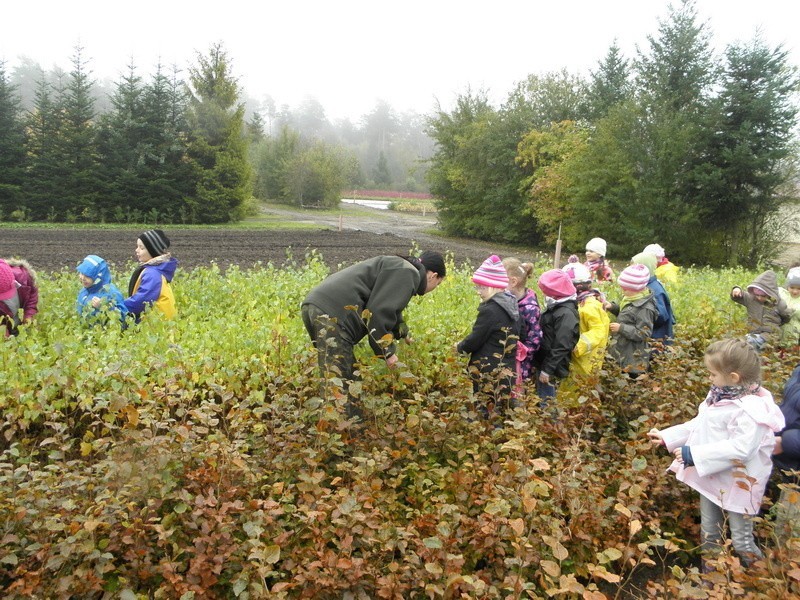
(725, 451)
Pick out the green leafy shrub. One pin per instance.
(199, 458)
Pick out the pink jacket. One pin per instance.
(723, 436)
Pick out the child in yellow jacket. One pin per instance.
(588, 354)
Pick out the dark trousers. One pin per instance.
(335, 355)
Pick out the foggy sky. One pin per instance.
(350, 53)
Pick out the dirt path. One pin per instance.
(412, 226)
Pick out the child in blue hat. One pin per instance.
(99, 296)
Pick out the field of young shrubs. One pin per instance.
(199, 458)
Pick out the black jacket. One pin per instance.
(560, 332)
(493, 339)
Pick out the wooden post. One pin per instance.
(557, 258)
(340, 221)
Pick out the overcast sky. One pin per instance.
(350, 53)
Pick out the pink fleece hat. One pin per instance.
(8, 286)
(634, 278)
(555, 283)
(491, 273)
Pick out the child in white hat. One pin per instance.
(596, 260)
(666, 271)
(790, 294)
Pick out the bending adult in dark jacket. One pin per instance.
(333, 312)
(786, 457)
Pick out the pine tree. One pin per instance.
(218, 146)
(747, 144)
(47, 170)
(610, 84)
(123, 151)
(12, 148)
(81, 185)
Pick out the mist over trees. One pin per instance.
(675, 146)
(184, 147)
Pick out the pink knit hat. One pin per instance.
(555, 283)
(634, 278)
(491, 273)
(8, 286)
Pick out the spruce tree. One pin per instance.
(47, 163)
(12, 148)
(747, 146)
(218, 147)
(81, 185)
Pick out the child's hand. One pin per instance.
(655, 437)
(736, 292)
(96, 302)
(778, 449)
(544, 377)
(613, 327)
(678, 453)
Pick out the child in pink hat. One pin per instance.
(636, 314)
(492, 342)
(18, 293)
(560, 331)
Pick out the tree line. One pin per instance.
(675, 146)
(165, 149)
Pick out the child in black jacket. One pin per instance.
(560, 331)
(492, 343)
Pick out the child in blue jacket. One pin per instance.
(99, 297)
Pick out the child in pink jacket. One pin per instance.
(725, 451)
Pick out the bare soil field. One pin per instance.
(363, 234)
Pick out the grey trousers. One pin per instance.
(712, 525)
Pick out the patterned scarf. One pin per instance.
(730, 392)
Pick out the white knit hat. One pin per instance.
(597, 245)
(656, 250)
(793, 277)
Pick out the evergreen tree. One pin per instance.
(255, 128)
(123, 150)
(47, 171)
(173, 178)
(674, 83)
(218, 148)
(380, 174)
(272, 157)
(81, 187)
(746, 147)
(12, 148)
(610, 84)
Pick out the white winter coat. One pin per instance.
(731, 444)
